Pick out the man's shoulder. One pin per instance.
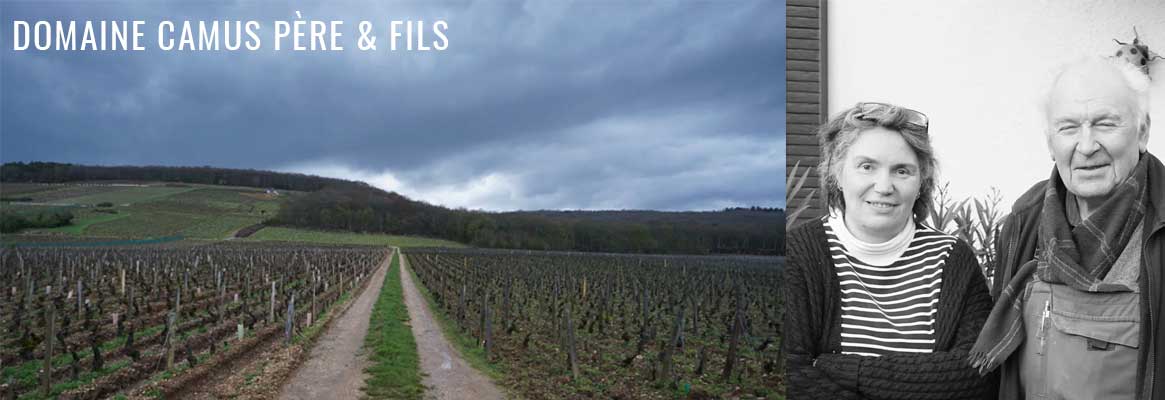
(1018, 234)
(1025, 212)
(1031, 199)
(1156, 180)
(1024, 216)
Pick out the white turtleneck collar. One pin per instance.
(875, 254)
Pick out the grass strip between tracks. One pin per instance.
(395, 371)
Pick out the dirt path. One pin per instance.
(448, 376)
(335, 367)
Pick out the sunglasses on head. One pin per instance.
(914, 119)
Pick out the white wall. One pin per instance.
(978, 69)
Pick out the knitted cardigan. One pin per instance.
(816, 368)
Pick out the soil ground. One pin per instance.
(447, 375)
(335, 366)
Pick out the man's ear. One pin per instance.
(1143, 138)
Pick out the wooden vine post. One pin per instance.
(271, 315)
(51, 318)
(289, 328)
(571, 354)
(734, 337)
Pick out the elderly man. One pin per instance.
(1078, 289)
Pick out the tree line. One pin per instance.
(50, 172)
(336, 204)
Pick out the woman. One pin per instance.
(878, 305)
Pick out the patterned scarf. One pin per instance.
(1079, 257)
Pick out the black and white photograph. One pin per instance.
(976, 201)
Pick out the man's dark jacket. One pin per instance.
(1016, 245)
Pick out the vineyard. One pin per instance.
(564, 325)
(92, 323)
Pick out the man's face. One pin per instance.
(1093, 130)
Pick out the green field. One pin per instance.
(219, 228)
(24, 189)
(303, 235)
(196, 212)
(144, 224)
(56, 192)
(193, 211)
(127, 195)
(395, 370)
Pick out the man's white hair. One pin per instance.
(1136, 80)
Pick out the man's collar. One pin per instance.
(1072, 209)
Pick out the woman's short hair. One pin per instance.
(837, 135)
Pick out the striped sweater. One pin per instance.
(890, 309)
(816, 366)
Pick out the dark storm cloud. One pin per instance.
(555, 105)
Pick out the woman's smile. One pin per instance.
(881, 204)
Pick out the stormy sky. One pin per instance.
(670, 105)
